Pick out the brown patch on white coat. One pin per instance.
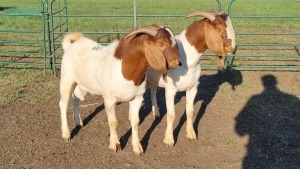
(155, 46)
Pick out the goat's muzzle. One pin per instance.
(220, 60)
(172, 57)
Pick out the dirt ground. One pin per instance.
(257, 125)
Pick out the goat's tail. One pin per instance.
(70, 38)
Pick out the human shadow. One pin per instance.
(207, 89)
(272, 121)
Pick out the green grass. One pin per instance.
(23, 84)
(157, 7)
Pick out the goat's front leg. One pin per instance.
(170, 97)
(114, 142)
(190, 97)
(155, 110)
(134, 108)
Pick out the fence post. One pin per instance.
(134, 14)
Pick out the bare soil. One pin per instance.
(251, 120)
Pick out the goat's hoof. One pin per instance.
(115, 147)
(66, 136)
(156, 114)
(80, 124)
(138, 150)
(169, 141)
(66, 139)
(191, 135)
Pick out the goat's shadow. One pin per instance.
(86, 120)
(207, 89)
(144, 112)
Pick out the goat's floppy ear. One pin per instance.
(213, 40)
(156, 58)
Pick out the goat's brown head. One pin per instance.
(160, 47)
(218, 33)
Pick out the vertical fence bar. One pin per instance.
(66, 13)
(44, 7)
(219, 5)
(229, 6)
(134, 14)
(51, 40)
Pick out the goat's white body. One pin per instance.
(98, 72)
(230, 32)
(183, 78)
(95, 70)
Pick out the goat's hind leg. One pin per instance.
(78, 94)
(65, 91)
(155, 110)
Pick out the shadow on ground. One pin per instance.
(207, 89)
(272, 120)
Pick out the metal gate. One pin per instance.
(24, 44)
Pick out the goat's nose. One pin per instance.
(179, 64)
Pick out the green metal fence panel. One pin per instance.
(256, 49)
(261, 46)
(23, 44)
(106, 26)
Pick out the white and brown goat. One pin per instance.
(214, 32)
(117, 72)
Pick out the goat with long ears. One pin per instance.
(117, 72)
(214, 32)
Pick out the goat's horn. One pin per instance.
(208, 14)
(158, 25)
(214, 12)
(151, 30)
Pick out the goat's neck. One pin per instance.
(192, 44)
(195, 35)
(134, 62)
